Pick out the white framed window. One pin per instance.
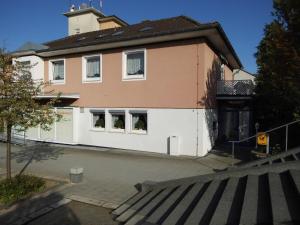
(139, 122)
(26, 64)
(222, 72)
(98, 119)
(57, 71)
(92, 68)
(134, 65)
(118, 121)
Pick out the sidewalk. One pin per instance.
(109, 174)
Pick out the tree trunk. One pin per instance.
(8, 152)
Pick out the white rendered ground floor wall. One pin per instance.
(171, 131)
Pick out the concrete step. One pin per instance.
(165, 208)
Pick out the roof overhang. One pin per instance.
(62, 96)
(215, 35)
(23, 53)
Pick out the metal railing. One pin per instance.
(235, 87)
(267, 132)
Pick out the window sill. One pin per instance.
(134, 78)
(122, 131)
(87, 81)
(57, 82)
(97, 129)
(140, 132)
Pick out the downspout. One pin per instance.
(197, 103)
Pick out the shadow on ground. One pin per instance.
(28, 211)
(37, 152)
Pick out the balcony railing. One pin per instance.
(235, 87)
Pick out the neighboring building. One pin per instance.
(241, 74)
(150, 86)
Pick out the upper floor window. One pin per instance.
(57, 70)
(92, 68)
(222, 72)
(25, 64)
(134, 66)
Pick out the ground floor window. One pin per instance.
(98, 119)
(139, 122)
(118, 120)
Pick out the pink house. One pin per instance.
(150, 86)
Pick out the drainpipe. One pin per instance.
(197, 103)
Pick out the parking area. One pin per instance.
(109, 174)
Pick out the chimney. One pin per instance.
(82, 20)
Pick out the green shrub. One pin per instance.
(120, 124)
(100, 122)
(141, 124)
(19, 187)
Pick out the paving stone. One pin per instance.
(109, 175)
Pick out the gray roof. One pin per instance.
(30, 46)
(254, 194)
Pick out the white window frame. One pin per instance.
(52, 81)
(84, 63)
(222, 70)
(111, 113)
(132, 130)
(125, 76)
(92, 120)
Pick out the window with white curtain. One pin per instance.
(92, 68)
(134, 64)
(57, 70)
(117, 120)
(139, 122)
(98, 120)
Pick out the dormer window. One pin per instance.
(134, 66)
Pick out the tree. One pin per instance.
(277, 98)
(18, 107)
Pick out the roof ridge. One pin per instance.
(130, 25)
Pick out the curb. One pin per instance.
(41, 212)
(102, 203)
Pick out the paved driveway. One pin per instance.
(109, 175)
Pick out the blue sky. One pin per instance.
(42, 20)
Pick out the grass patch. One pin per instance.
(19, 187)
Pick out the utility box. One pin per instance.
(174, 145)
(76, 175)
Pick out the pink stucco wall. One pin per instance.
(177, 77)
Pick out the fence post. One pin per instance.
(232, 152)
(286, 137)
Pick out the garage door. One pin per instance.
(64, 128)
(61, 131)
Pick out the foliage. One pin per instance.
(18, 107)
(17, 104)
(141, 124)
(100, 122)
(119, 123)
(277, 98)
(19, 187)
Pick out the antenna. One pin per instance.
(100, 5)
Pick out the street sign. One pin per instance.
(262, 138)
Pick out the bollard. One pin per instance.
(76, 175)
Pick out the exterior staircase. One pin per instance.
(265, 191)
